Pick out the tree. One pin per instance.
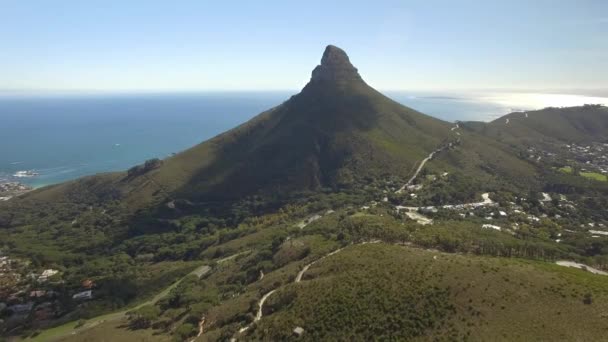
(587, 299)
(185, 330)
(143, 317)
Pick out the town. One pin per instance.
(35, 295)
(9, 190)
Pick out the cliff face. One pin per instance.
(335, 67)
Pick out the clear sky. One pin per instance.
(232, 45)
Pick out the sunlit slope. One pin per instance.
(379, 291)
(572, 124)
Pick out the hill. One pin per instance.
(582, 124)
(376, 291)
(337, 134)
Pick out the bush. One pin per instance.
(587, 299)
(80, 323)
(149, 165)
(143, 317)
(186, 330)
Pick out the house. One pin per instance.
(490, 226)
(49, 273)
(84, 295)
(37, 294)
(21, 308)
(429, 209)
(87, 284)
(46, 274)
(298, 331)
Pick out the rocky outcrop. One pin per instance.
(335, 67)
(149, 165)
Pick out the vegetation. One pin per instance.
(316, 174)
(379, 291)
(595, 176)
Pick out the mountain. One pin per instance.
(570, 125)
(337, 132)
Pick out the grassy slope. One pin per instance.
(572, 124)
(324, 136)
(381, 291)
(490, 162)
(115, 331)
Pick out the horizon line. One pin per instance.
(592, 91)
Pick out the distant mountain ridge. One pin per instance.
(570, 124)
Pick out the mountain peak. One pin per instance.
(335, 67)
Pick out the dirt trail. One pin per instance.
(201, 325)
(581, 266)
(422, 163)
(298, 279)
(409, 182)
(305, 268)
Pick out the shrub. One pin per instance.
(185, 330)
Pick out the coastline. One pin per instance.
(10, 189)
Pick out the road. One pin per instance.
(409, 182)
(429, 157)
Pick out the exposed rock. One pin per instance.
(335, 67)
(149, 165)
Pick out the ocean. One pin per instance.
(62, 137)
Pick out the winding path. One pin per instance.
(429, 157)
(580, 266)
(409, 182)
(201, 325)
(298, 279)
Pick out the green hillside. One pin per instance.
(571, 125)
(377, 291)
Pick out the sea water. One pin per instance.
(62, 137)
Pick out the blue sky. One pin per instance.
(242, 45)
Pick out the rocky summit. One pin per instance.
(335, 66)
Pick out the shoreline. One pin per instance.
(10, 189)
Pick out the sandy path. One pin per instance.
(581, 266)
(201, 325)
